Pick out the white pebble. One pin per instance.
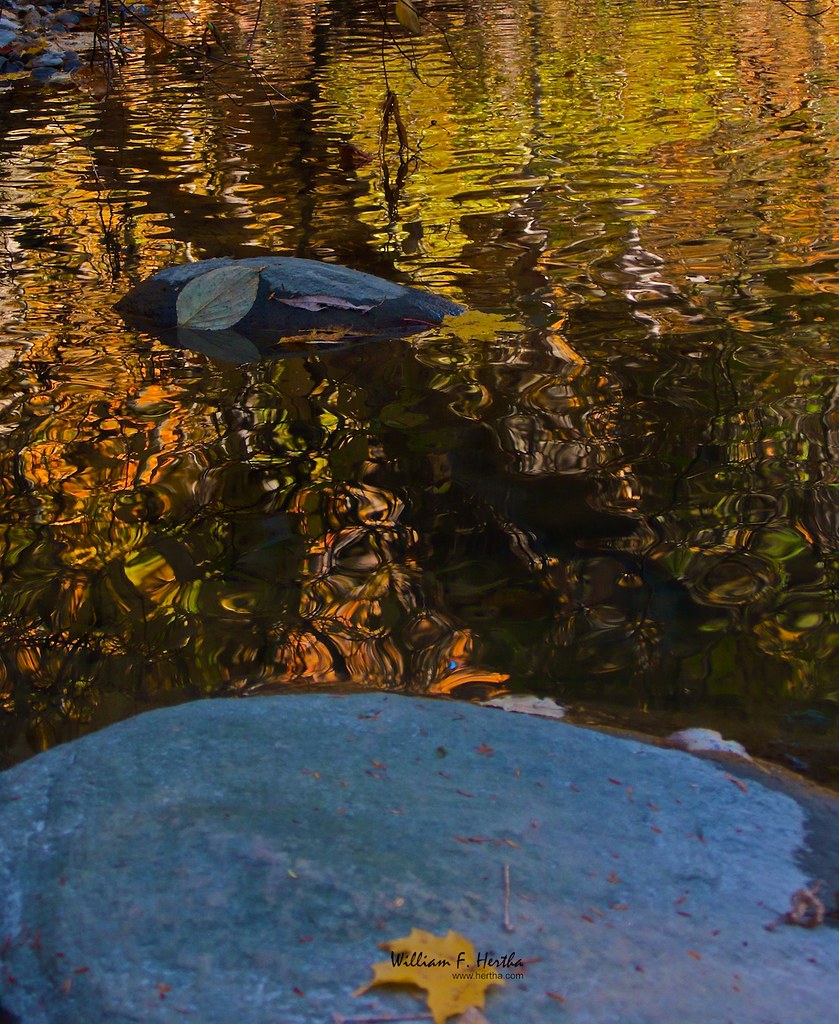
(694, 740)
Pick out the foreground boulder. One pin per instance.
(264, 299)
(240, 860)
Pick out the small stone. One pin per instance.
(68, 18)
(7, 37)
(704, 741)
(47, 60)
(43, 74)
(525, 704)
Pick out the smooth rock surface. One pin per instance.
(391, 308)
(239, 860)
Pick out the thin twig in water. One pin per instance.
(338, 1019)
(812, 15)
(508, 927)
(255, 26)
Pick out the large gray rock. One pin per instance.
(239, 860)
(383, 308)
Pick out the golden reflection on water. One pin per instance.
(630, 501)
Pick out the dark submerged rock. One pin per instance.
(389, 309)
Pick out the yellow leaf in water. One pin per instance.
(406, 15)
(444, 965)
(319, 336)
(473, 325)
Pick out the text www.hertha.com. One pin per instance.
(486, 976)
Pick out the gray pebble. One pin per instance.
(43, 74)
(47, 60)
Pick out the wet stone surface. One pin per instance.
(242, 860)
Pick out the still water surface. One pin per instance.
(625, 497)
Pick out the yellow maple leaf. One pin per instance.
(444, 965)
(475, 325)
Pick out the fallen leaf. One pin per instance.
(473, 325)
(218, 298)
(524, 704)
(406, 15)
(806, 909)
(319, 336)
(443, 965)
(315, 303)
